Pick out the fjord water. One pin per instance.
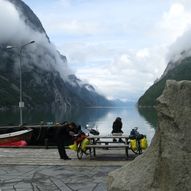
(102, 118)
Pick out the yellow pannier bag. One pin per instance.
(73, 147)
(84, 143)
(133, 144)
(143, 143)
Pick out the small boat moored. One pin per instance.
(17, 138)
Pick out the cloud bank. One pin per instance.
(121, 47)
(15, 32)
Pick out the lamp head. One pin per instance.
(32, 42)
(9, 47)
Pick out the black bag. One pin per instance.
(94, 132)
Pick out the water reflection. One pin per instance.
(102, 118)
(150, 115)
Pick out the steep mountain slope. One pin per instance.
(28, 15)
(48, 82)
(180, 71)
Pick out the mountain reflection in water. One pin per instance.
(101, 117)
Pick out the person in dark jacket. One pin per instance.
(117, 128)
(64, 137)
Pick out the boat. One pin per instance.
(17, 138)
(38, 134)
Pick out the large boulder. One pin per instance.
(166, 165)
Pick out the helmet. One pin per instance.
(118, 118)
(135, 128)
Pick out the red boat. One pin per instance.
(17, 138)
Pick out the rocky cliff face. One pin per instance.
(48, 82)
(165, 166)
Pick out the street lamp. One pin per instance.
(21, 103)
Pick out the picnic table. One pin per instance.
(105, 142)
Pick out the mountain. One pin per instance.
(47, 81)
(121, 103)
(180, 70)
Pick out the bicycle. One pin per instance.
(138, 149)
(82, 151)
(140, 144)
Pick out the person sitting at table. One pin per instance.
(117, 129)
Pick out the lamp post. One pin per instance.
(21, 103)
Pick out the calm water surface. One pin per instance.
(102, 118)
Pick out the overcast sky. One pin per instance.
(119, 46)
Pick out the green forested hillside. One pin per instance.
(181, 72)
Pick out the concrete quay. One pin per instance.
(25, 169)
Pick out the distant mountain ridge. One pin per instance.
(48, 82)
(181, 70)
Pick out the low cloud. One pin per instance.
(129, 72)
(176, 28)
(120, 47)
(181, 48)
(175, 21)
(128, 75)
(10, 23)
(16, 33)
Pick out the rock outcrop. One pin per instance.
(166, 165)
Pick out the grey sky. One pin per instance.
(119, 46)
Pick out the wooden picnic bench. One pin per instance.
(106, 142)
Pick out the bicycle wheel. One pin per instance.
(139, 149)
(79, 153)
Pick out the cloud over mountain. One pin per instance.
(48, 82)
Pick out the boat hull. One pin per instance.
(7, 138)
